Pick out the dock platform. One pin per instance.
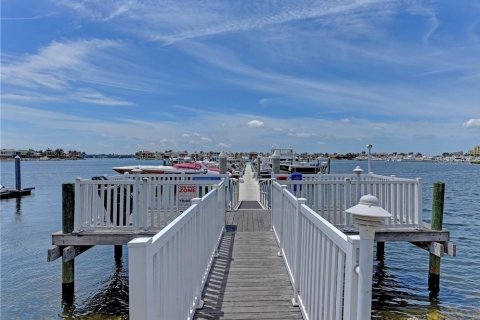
(248, 280)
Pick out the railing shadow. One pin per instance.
(214, 290)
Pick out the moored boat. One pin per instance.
(185, 168)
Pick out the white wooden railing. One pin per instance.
(167, 272)
(234, 194)
(330, 195)
(265, 192)
(158, 199)
(321, 260)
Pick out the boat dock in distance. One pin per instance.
(215, 247)
(18, 192)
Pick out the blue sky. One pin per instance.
(319, 76)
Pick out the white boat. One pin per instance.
(185, 168)
(289, 163)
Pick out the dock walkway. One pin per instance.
(248, 280)
(249, 188)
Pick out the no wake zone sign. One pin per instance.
(185, 194)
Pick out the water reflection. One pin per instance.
(389, 293)
(18, 206)
(109, 302)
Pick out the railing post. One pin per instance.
(282, 212)
(141, 283)
(419, 208)
(358, 171)
(350, 303)
(198, 258)
(77, 212)
(348, 195)
(136, 192)
(369, 216)
(298, 240)
(145, 202)
(272, 190)
(365, 273)
(369, 146)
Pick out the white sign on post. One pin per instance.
(185, 194)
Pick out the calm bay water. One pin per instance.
(31, 287)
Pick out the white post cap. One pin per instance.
(358, 170)
(367, 212)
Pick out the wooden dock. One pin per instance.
(11, 194)
(248, 280)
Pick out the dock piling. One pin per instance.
(436, 224)
(68, 268)
(18, 176)
(222, 163)
(276, 162)
(380, 250)
(118, 253)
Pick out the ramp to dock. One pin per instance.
(248, 280)
(249, 188)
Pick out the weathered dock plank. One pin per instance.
(250, 220)
(248, 280)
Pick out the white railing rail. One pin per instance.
(168, 271)
(321, 260)
(114, 203)
(330, 195)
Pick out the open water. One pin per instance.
(31, 287)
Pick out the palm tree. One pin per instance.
(59, 153)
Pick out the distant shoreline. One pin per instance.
(67, 159)
(38, 159)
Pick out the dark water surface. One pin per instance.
(31, 287)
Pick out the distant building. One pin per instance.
(475, 151)
(145, 154)
(12, 153)
(252, 155)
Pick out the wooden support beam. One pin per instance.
(70, 252)
(97, 238)
(54, 252)
(450, 248)
(435, 248)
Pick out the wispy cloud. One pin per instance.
(64, 71)
(37, 17)
(172, 21)
(89, 96)
(472, 123)
(55, 65)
